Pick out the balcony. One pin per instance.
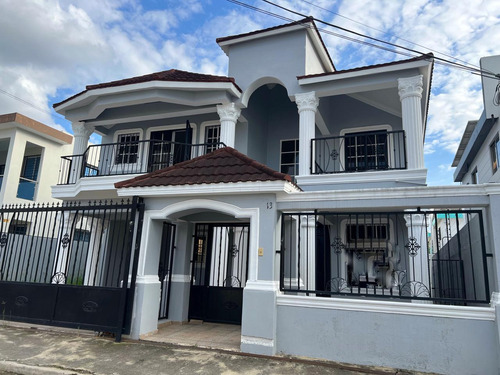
(359, 152)
(127, 158)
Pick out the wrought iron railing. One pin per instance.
(358, 152)
(398, 255)
(129, 158)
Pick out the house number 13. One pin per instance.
(269, 205)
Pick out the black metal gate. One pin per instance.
(165, 267)
(70, 265)
(219, 272)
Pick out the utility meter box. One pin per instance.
(491, 86)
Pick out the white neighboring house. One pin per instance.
(477, 160)
(30, 154)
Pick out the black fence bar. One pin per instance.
(129, 158)
(357, 152)
(70, 264)
(431, 255)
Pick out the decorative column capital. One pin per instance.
(228, 112)
(411, 86)
(307, 101)
(415, 219)
(80, 129)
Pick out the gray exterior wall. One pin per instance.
(421, 343)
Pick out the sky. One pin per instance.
(52, 49)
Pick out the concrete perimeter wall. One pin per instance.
(436, 342)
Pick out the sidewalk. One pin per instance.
(45, 351)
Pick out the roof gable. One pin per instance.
(225, 165)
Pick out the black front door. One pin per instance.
(219, 272)
(165, 267)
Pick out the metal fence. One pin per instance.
(71, 265)
(129, 158)
(438, 256)
(359, 152)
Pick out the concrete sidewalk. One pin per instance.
(25, 350)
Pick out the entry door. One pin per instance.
(165, 267)
(219, 272)
(168, 147)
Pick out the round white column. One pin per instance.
(410, 94)
(228, 114)
(307, 103)
(81, 135)
(416, 247)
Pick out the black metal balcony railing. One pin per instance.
(129, 158)
(359, 152)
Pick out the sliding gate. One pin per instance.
(70, 265)
(219, 272)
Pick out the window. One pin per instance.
(366, 151)
(128, 148)
(81, 235)
(212, 137)
(2, 171)
(289, 158)
(366, 232)
(18, 227)
(495, 153)
(29, 177)
(474, 176)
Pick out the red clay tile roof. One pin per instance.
(299, 22)
(172, 75)
(427, 56)
(225, 165)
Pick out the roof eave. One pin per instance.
(87, 96)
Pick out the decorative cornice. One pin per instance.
(80, 129)
(228, 112)
(412, 86)
(307, 101)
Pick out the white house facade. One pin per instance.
(288, 197)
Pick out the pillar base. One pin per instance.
(146, 306)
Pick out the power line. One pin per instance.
(388, 34)
(409, 51)
(30, 104)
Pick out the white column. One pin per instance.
(81, 135)
(416, 248)
(410, 94)
(228, 114)
(308, 252)
(307, 103)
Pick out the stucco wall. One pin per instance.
(422, 343)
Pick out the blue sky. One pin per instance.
(69, 44)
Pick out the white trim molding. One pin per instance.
(263, 285)
(260, 341)
(147, 279)
(210, 189)
(412, 176)
(176, 278)
(389, 307)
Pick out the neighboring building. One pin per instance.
(30, 154)
(477, 160)
(288, 197)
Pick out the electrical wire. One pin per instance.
(388, 34)
(30, 104)
(408, 51)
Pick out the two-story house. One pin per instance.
(288, 197)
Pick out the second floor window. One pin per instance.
(29, 177)
(495, 153)
(212, 137)
(365, 151)
(289, 157)
(127, 149)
